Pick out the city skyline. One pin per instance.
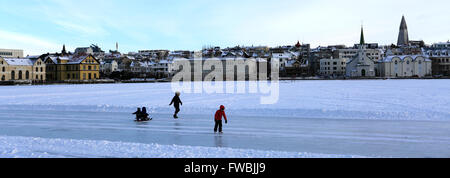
(41, 26)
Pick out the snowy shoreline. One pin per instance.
(29, 147)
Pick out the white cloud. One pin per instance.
(32, 45)
(82, 29)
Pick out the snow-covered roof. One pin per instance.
(19, 61)
(285, 55)
(53, 58)
(403, 57)
(33, 57)
(76, 59)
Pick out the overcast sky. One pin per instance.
(40, 26)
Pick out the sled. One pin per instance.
(145, 120)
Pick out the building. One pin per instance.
(109, 66)
(13, 53)
(283, 57)
(22, 69)
(333, 67)
(296, 68)
(230, 69)
(63, 68)
(445, 45)
(440, 61)
(403, 36)
(361, 65)
(321, 53)
(84, 51)
(405, 66)
(349, 53)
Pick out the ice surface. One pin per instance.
(374, 118)
(365, 99)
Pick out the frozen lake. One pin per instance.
(393, 118)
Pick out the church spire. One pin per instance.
(403, 38)
(361, 41)
(64, 50)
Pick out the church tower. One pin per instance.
(63, 51)
(362, 41)
(403, 38)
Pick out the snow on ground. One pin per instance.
(27, 147)
(373, 118)
(361, 99)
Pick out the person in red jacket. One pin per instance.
(218, 119)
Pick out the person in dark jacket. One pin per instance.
(218, 119)
(144, 114)
(138, 114)
(176, 101)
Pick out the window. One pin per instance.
(3, 78)
(95, 76)
(84, 76)
(89, 67)
(37, 77)
(37, 69)
(3, 69)
(42, 69)
(68, 76)
(27, 75)
(20, 75)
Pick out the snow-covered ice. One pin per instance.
(362, 99)
(26, 147)
(374, 118)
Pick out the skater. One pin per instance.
(144, 114)
(138, 114)
(176, 103)
(218, 119)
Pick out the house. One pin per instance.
(62, 68)
(109, 66)
(22, 69)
